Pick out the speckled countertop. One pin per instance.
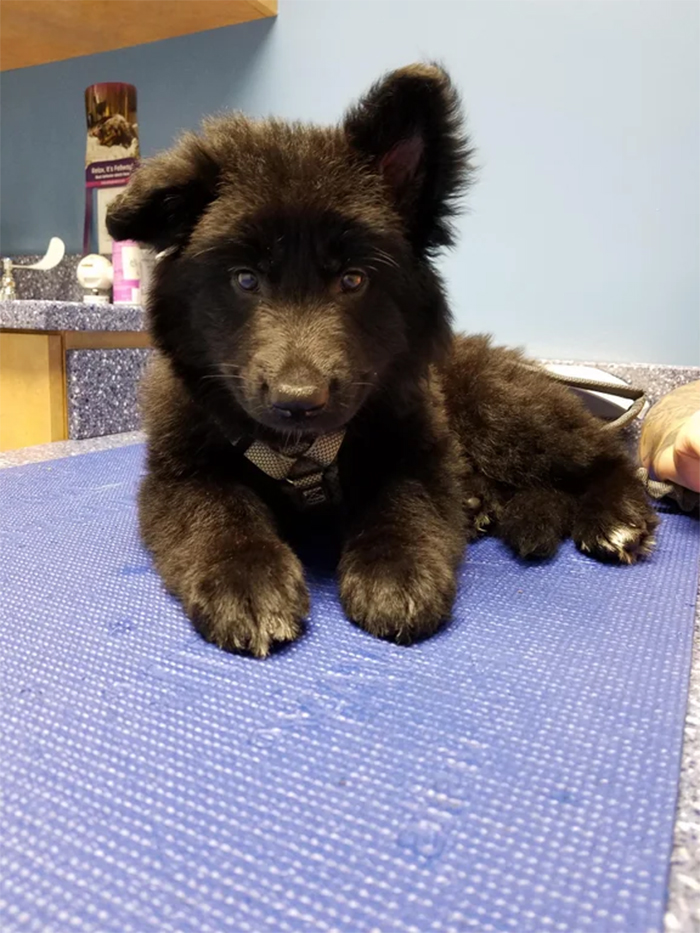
(30, 314)
(683, 907)
(52, 300)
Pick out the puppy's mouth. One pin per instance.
(304, 413)
(309, 421)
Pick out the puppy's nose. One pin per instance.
(290, 399)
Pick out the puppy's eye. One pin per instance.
(352, 280)
(246, 280)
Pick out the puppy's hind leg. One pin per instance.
(614, 520)
(532, 521)
(535, 521)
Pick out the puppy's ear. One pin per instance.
(166, 196)
(409, 127)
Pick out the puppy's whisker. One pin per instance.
(226, 376)
(384, 258)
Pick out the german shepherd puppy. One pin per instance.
(296, 305)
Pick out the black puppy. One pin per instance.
(306, 361)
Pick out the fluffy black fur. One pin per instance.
(261, 333)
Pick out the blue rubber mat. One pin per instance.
(517, 772)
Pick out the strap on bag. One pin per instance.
(656, 489)
(621, 391)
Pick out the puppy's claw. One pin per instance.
(251, 602)
(625, 544)
(400, 600)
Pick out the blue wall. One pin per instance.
(582, 237)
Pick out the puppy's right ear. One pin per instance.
(166, 196)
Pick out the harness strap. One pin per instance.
(309, 469)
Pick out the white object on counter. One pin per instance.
(54, 254)
(51, 258)
(95, 275)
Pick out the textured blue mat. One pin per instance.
(518, 772)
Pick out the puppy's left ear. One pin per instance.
(409, 128)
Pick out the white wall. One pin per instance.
(583, 235)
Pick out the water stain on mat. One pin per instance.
(135, 570)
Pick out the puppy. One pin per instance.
(305, 363)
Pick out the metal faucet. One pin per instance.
(54, 254)
(8, 292)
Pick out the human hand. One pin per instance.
(670, 443)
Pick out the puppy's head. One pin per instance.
(296, 278)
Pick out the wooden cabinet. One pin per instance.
(34, 384)
(35, 32)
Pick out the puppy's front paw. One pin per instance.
(621, 535)
(403, 597)
(250, 600)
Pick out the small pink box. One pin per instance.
(126, 259)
